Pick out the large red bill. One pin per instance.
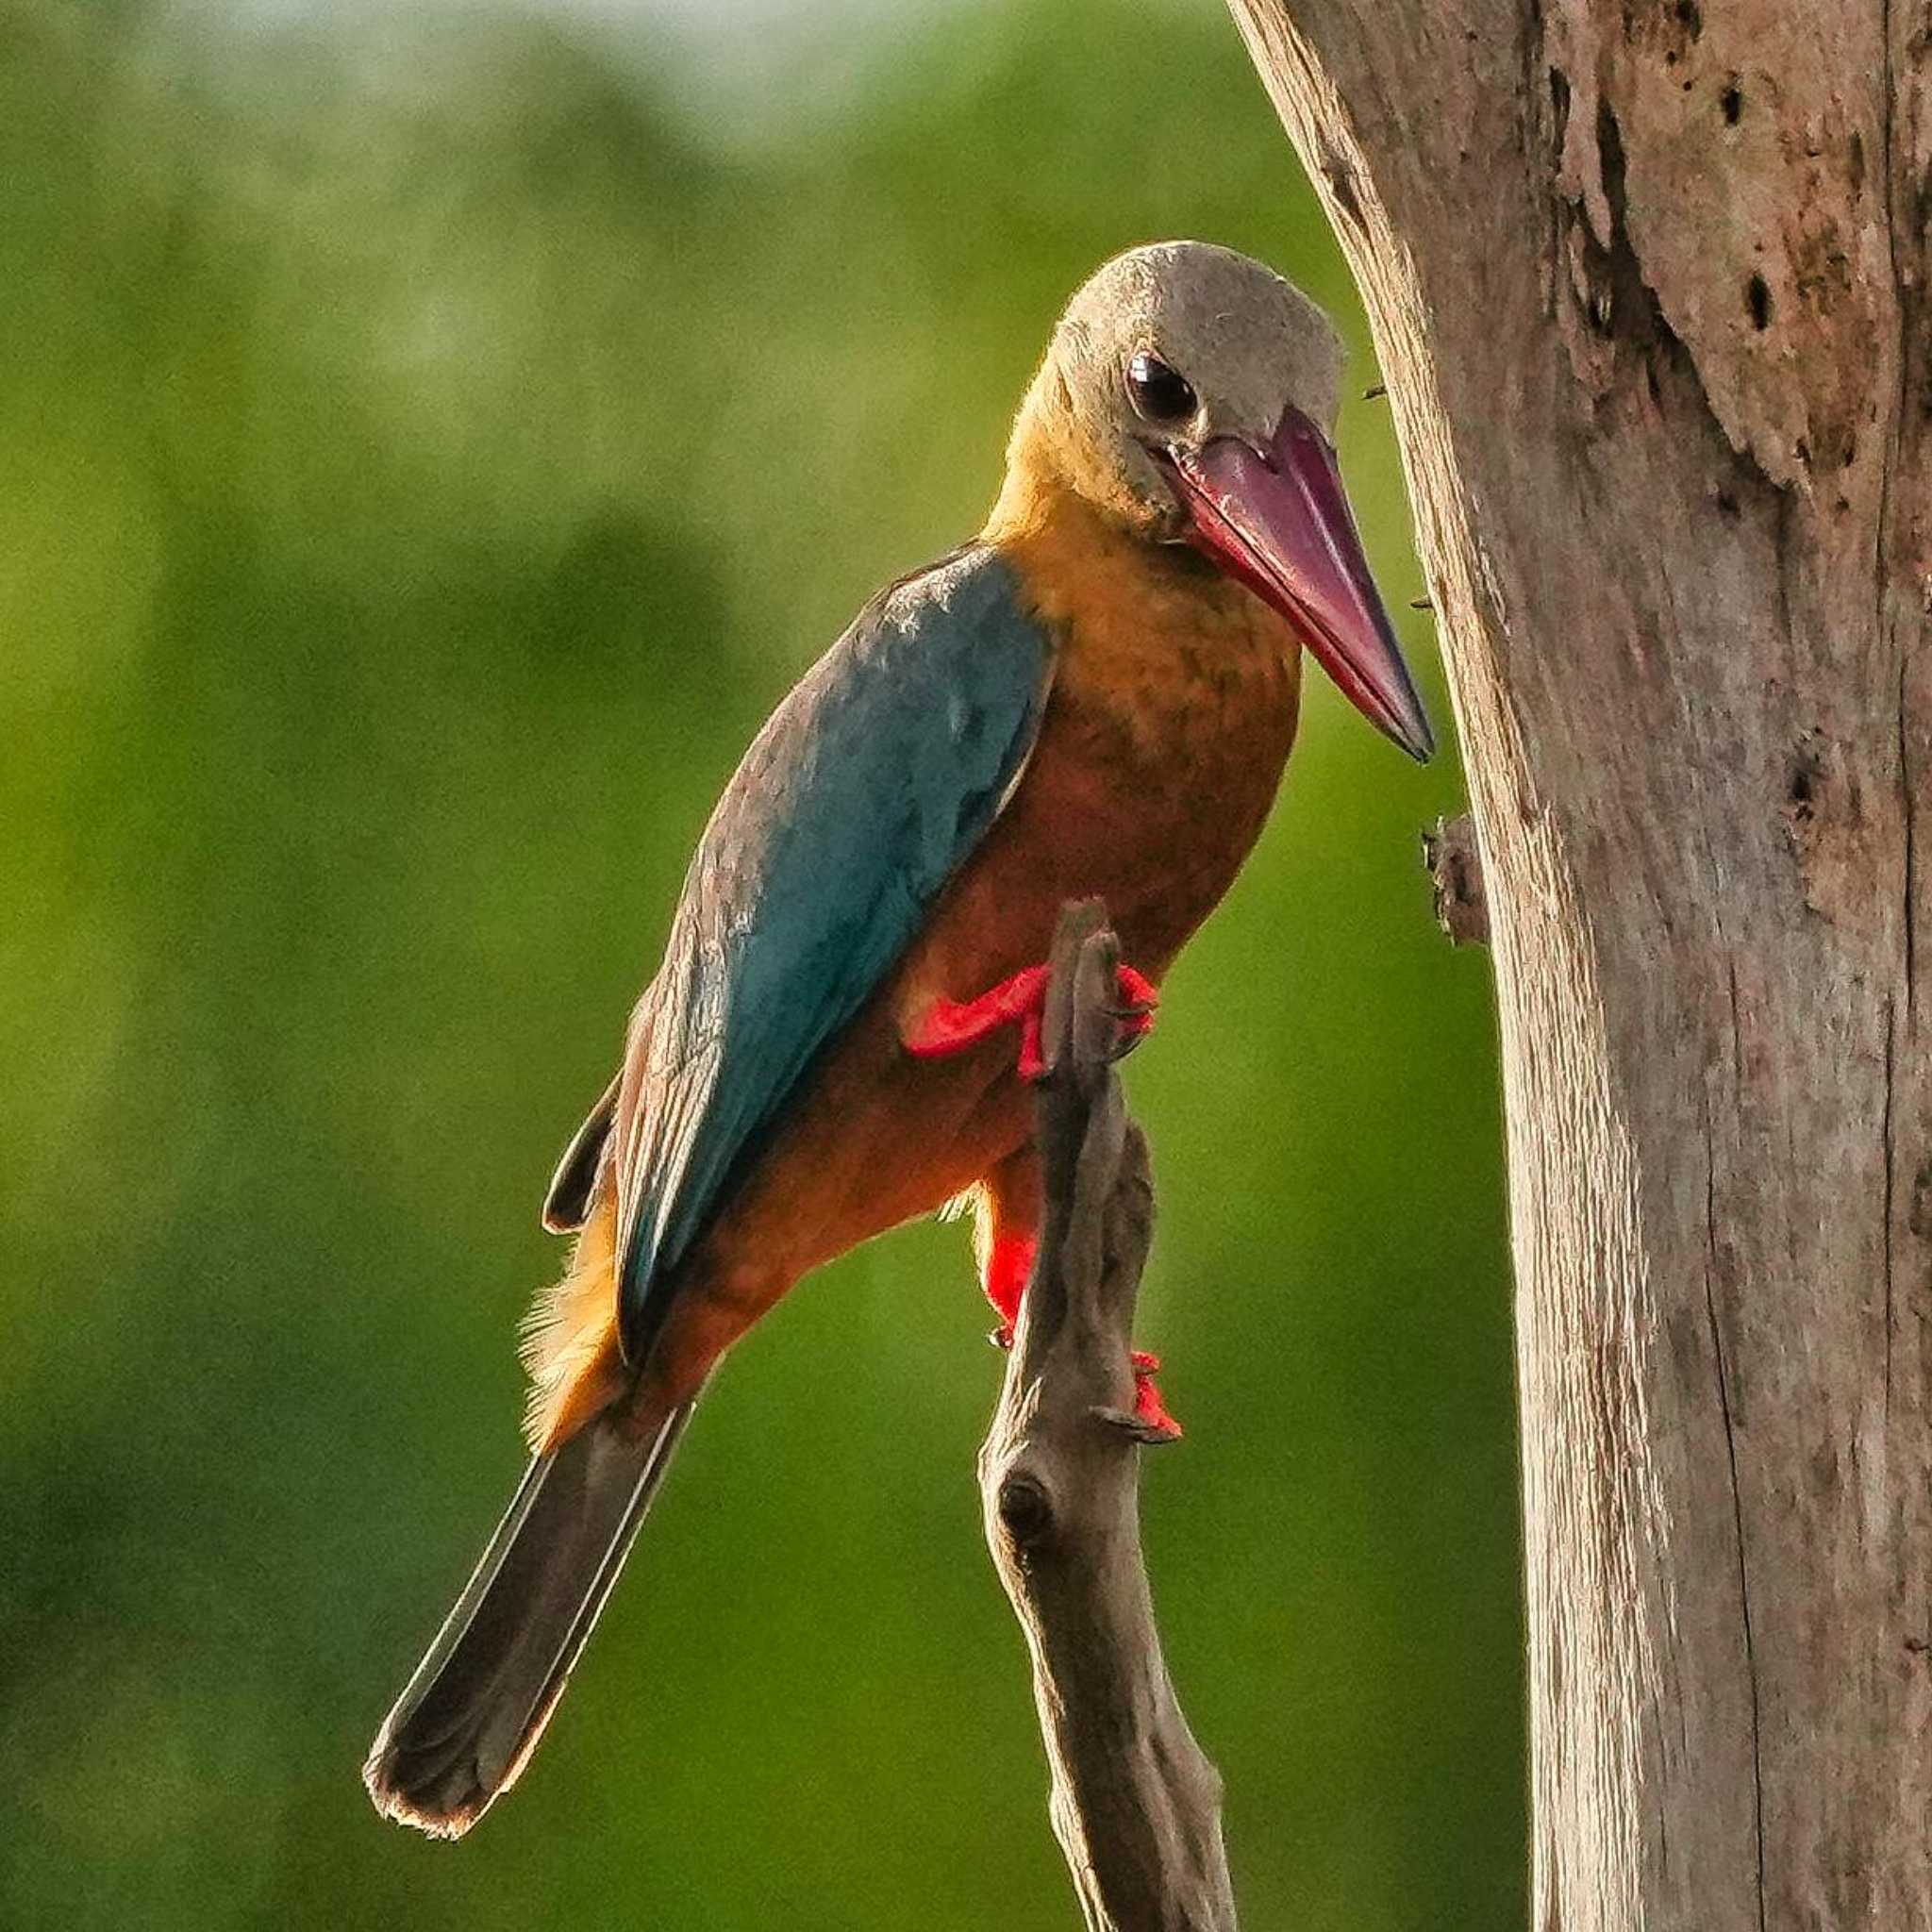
(1279, 521)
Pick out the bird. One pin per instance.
(1096, 697)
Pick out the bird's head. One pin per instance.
(1189, 395)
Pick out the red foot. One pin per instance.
(1149, 1409)
(953, 1025)
(1006, 1271)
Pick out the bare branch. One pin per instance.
(1136, 1805)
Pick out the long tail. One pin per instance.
(463, 1730)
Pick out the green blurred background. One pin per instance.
(430, 440)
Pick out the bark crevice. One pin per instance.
(1723, 1398)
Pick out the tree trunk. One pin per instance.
(1648, 279)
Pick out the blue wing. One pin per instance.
(870, 785)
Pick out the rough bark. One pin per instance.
(1136, 1805)
(1648, 279)
(1455, 871)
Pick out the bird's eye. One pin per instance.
(1160, 393)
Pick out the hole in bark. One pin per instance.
(1758, 300)
(1559, 103)
(1732, 102)
(1727, 503)
(1690, 18)
(1025, 1512)
(1806, 779)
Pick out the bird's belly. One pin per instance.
(877, 1135)
(876, 1138)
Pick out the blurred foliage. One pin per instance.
(425, 453)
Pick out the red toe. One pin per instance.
(1032, 1061)
(1149, 1409)
(953, 1025)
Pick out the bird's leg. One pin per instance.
(1008, 1267)
(953, 1025)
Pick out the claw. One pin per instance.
(1032, 1061)
(953, 1025)
(1151, 1434)
(1150, 1412)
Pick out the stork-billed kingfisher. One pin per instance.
(1097, 697)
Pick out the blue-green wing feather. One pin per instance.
(860, 799)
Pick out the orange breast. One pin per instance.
(1159, 839)
(1172, 716)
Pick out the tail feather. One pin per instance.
(570, 1336)
(469, 1719)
